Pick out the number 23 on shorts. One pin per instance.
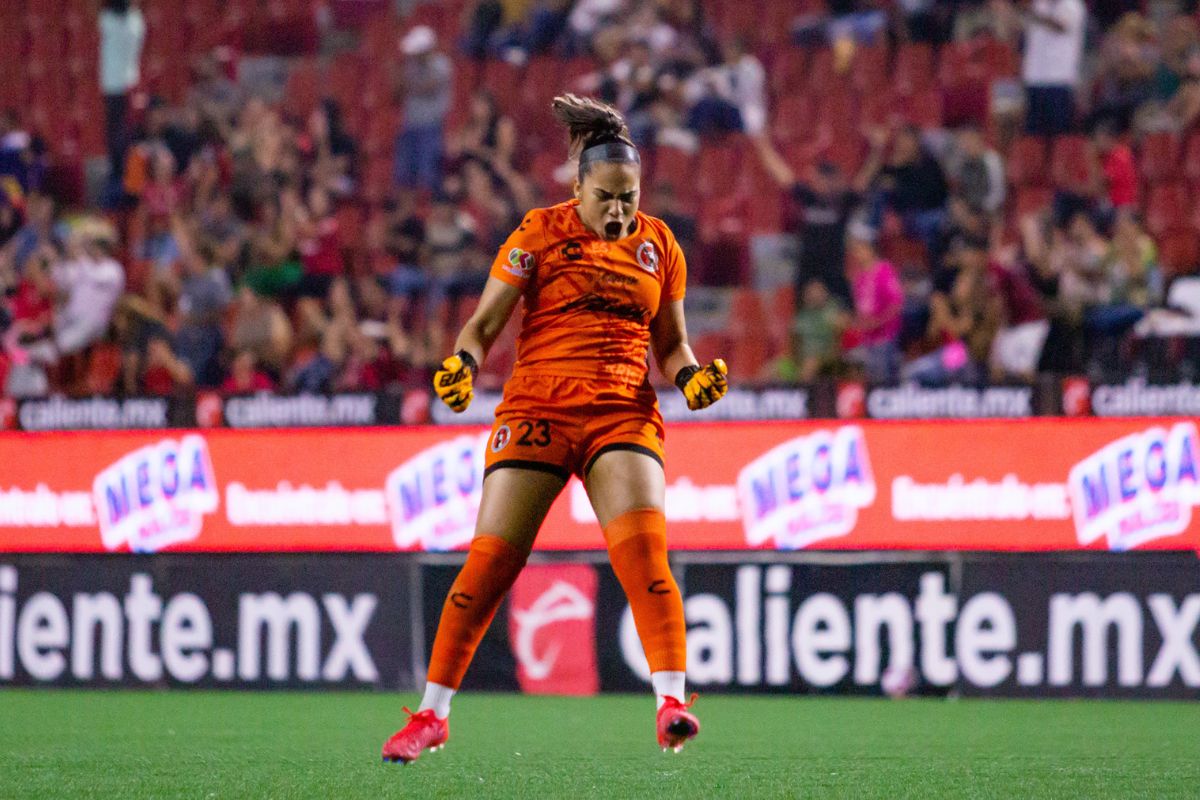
(535, 433)
(522, 433)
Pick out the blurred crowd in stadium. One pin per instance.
(306, 196)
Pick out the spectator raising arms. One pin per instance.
(251, 228)
(122, 34)
(425, 85)
(826, 203)
(1053, 66)
(909, 183)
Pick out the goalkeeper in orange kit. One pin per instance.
(601, 283)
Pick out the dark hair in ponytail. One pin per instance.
(589, 123)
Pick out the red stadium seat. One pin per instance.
(793, 118)
(1167, 208)
(821, 77)
(780, 309)
(674, 166)
(303, 89)
(382, 126)
(764, 198)
(1071, 164)
(1003, 60)
(869, 71)
(1191, 158)
(545, 164)
(352, 223)
(377, 179)
(1159, 160)
(913, 70)
(925, 109)
(737, 19)
(540, 83)
(909, 255)
(786, 73)
(710, 345)
(749, 335)
(837, 111)
(847, 151)
(719, 165)
(746, 310)
(966, 83)
(380, 38)
(1027, 162)
(1179, 252)
(343, 81)
(1033, 200)
(766, 212)
(882, 107)
(724, 254)
(503, 80)
(436, 16)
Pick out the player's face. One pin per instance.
(608, 198)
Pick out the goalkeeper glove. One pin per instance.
(454, 382)
(703, 386)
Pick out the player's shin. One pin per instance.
(637, 548)
(491, 567)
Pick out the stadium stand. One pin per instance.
(313, 189)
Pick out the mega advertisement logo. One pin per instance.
(433, 498)
(1139, 488)
(551, 624)
(807, 489)
(156, 496)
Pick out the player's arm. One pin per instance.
(454, 382)
(702, 386)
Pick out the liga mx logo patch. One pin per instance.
(520, 262)
(647, 257)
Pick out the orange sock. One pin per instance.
(637, 549)
(492, 566)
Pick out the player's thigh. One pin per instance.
(514, 504)
(624, 480)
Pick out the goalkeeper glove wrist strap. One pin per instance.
(684, 375)
(469, 362)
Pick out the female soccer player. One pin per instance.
(601, 282)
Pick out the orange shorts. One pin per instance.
(561, 425)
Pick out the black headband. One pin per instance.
(610, 151)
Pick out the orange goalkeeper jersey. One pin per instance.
(588, 301)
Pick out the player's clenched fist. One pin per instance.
(455, 381)
(703, 386)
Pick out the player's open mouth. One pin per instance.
(612, 230)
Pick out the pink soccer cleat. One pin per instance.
(423, 730)
(676, 724)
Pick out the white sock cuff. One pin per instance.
(438, 698)
(668, 683)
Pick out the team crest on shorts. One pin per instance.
(500, 440)
(520, 262)
(647, 257)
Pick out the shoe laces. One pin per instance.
(679, 704)
(413, 715)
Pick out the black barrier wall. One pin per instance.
(1112, 625)
(1072, 396)
(245, 621)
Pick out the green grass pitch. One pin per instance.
(78, 744)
